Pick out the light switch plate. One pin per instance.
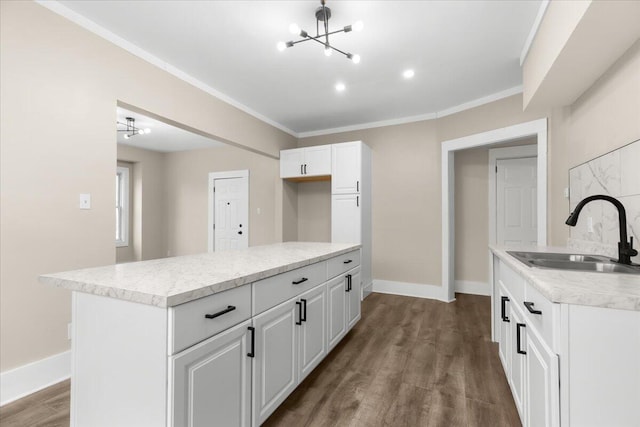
(85, 201)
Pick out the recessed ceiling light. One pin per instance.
(407, 74)
(340, 87)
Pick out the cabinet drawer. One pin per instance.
(545, 321)
(272, 291)
(343, 263)
(188, 324)
(512, 281)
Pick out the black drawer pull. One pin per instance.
(503, 314)
(299, 304)
(252, 353)
(532, 310)
(220, 313)
(297, 282)
(349, 261)
(518, 337)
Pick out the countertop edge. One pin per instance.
(166, 301)
(542, 280)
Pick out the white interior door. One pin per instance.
(231, 213)
(516, 196)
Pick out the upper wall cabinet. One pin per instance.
(346, 168)
(308, 162)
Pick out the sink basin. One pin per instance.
(577, 262)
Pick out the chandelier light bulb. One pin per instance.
(407, 74)
(328, 51)
(356, 58)
(358, 26)
(340, 87)
(294, 29)
(281, 46)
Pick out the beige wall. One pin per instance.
(186, 196)
(314, 211)
(60, 86)
(472, 214)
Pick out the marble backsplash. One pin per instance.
(616, 174)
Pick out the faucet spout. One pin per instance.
(625, 248)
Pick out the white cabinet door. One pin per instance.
(504, 325)
(346, 219)
(317, 160)
(313, 331)
(542, 379)
(354, 282)
(291, 163)
(346, 168)
(212, 381)
(274, 365)
(518, 359)
(337, 318)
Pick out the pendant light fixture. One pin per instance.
(131, 129)
(323, 14)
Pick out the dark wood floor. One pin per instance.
(408, 362)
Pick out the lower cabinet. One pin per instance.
(212, 381)
(518, 360)
(354, 283)
(542, 379)
(344, 304)
(313, 330)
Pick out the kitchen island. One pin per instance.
(568, 341)
(208, 339)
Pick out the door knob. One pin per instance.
(240, 232)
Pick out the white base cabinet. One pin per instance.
(228, 359)
(212, 381)
(567, 365)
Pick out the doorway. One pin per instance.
(228, 210)
(536, 128)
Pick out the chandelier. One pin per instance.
(131, 129)
(323, 14)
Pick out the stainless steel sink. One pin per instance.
(577, 262)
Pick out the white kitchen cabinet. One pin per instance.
(305, 162)
(275, 365)
(346, 218)
(503, 323)
(337, 317)
(313, 330)
(542, 378)
(346, 167)
(212, 381)
(353, 297)
(518, 360)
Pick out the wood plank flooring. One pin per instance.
(408, 362)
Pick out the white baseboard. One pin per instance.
(410, 289)
(35, 376)
(473, 288)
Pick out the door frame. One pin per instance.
(244, 173)
(537, 128)
(495, 154)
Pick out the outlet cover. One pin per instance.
(85, 201)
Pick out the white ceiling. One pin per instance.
(461, 51)
(163, 137)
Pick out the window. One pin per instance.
(122, 206)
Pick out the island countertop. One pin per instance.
(609, 290)
(168, 282)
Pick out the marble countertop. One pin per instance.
(620, 291)
(167, 282)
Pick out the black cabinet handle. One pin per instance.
(503, 314)
(358, 186)
(358, 201)
(253, 341)
(518, 337)
(303, 318)
(240, 232)
(220, 313)
(532, 310)
(299, 304)
(301, 169)
(297, 282)
(347, 261)
(348, 277)
(305, 169)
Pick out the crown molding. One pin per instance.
(534, 30)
